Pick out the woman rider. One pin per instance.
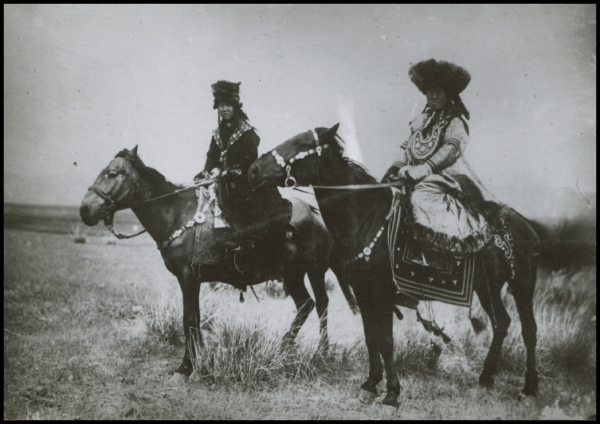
(257, 218)
(444, 212)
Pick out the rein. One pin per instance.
(112, 207)
(290, 181)
(361, 186)
(367, 250)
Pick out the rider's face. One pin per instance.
(226, 111)
(436, 98)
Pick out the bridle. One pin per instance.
(367, 250)
(112, 205)
(108, 214)
(290, 181)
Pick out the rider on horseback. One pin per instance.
(447, 208)
(257, 218)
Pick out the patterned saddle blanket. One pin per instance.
(434, 275)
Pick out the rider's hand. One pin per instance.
(402, 172)
(214, 173)
(201, 176)
(418, 172)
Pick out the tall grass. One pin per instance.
(163, 320)
(246, 350)
(242, 345)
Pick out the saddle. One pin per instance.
(251, 265)
(433, 275)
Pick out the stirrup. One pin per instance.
(232, 245)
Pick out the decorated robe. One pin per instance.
(443, 219)
(235, 147)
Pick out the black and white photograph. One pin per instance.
(300, 212)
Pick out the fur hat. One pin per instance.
(228, 92)
(452, 78)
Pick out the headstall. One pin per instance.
(290, 181)
(108, 214)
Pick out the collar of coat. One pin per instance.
(241, 129)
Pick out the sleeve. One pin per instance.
(213, 156)
(456, 134)
(400, 161)
(455, 141)
(248, 147)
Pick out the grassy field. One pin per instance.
(93, 331)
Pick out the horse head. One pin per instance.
(297, 160)
(113, 190)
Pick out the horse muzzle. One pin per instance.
(89, 216)
(93, 208)
(262, 174)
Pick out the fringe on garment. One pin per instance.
(429, 239)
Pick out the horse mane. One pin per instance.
(359, 173)
(146, 172)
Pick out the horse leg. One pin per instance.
(293, 280)
(522, 288)
(340, 273)
(386, 348)
(317, 282)
(489, 294)
(367, 310)
(190, 289)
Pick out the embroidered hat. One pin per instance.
(228, 92)
(452, 78)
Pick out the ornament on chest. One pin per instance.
(422, 147)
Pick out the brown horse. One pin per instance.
(127, 183)
(353, 217)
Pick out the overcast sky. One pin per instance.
(82, 82)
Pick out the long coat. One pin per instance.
(236, 147)
(443, 217)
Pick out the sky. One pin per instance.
(82, 82)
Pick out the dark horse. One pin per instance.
(353, 218)
(127, 183)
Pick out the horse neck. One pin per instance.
(164, 216)
(352, 217)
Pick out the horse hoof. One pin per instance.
(366, 398)
(487, 382)
(178, 379)
(526, 400)
(388, 411)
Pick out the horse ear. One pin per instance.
(331, 132)
(134, 151)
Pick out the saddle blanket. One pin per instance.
(427, 275)
(210, 234)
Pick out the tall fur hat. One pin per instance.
(228, 92)
(452, 78)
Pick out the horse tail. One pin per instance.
(569, 244)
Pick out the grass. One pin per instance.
(93, 332)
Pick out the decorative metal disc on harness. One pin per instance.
(290, 181)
